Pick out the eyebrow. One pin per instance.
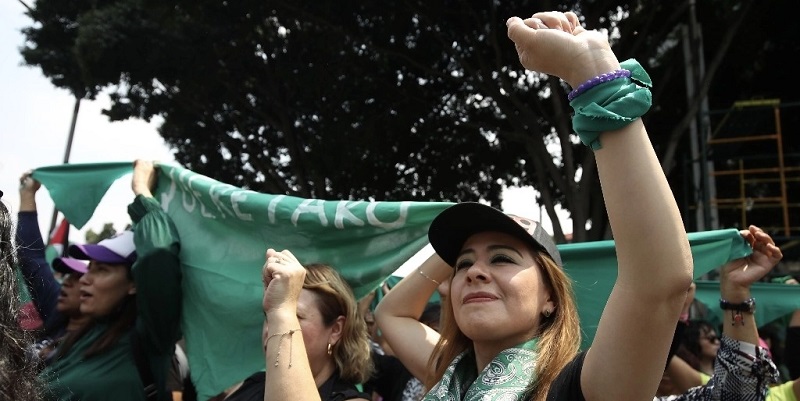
(492, 248)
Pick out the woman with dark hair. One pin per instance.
(315, 341)
(131, 292)
(17, 371)
(700, 346)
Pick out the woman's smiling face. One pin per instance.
(498, 292)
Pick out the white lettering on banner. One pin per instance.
(236, 197)
(273, 204)
(215, 194)
(401, 220)
(343, 212)
(186, 192)
(197, 196)
(168, 196)
(307, 207)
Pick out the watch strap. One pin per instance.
(749, 305)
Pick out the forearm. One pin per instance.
(289, 375)
(740, 326)
(398, 312)
(27, 201)
(409, 297)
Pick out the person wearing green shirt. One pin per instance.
(132, 292)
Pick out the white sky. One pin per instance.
(36, 118)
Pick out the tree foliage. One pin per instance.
(106, 232)
(364, 100)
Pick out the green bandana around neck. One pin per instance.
(505, 378)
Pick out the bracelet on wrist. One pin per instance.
(748, 306)
(737, 309)
(428, 277)
(610, 102)
(610, 76)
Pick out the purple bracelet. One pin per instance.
(609, 76)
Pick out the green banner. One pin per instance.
(225, 231)
(78, 195)
(773, 300)
(593, 269)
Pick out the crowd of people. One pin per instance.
(506, 326)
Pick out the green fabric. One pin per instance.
(593, 269)
(79, 196)
(612, 105)
(773, 300)
(24, 293)
(503, 379)
(224, 232)
(222, 290)
(110, 376)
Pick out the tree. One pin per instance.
(354, 100)
(108, 231)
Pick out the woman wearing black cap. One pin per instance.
(511, 327)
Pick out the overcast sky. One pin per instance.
(36, 119)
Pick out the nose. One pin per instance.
(479, 271)
(85, 279)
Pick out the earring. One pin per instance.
(330, 349)
(547, 313)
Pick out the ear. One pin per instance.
(337, 330)
(132, 288)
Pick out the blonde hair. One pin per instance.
(335, 298)
(559, 334)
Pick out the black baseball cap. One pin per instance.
(453, 226)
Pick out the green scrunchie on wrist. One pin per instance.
(612, 105)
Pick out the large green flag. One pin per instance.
(225, 231)
(592, 266)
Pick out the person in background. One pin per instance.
(315, 339)
(511, 307)
(700, 346)
(742, 369)
(132, 293)
(17, 371)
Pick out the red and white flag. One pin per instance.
(59, 238)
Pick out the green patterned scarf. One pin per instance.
(504, 378)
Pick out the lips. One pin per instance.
(478, 297)
(85, 295)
